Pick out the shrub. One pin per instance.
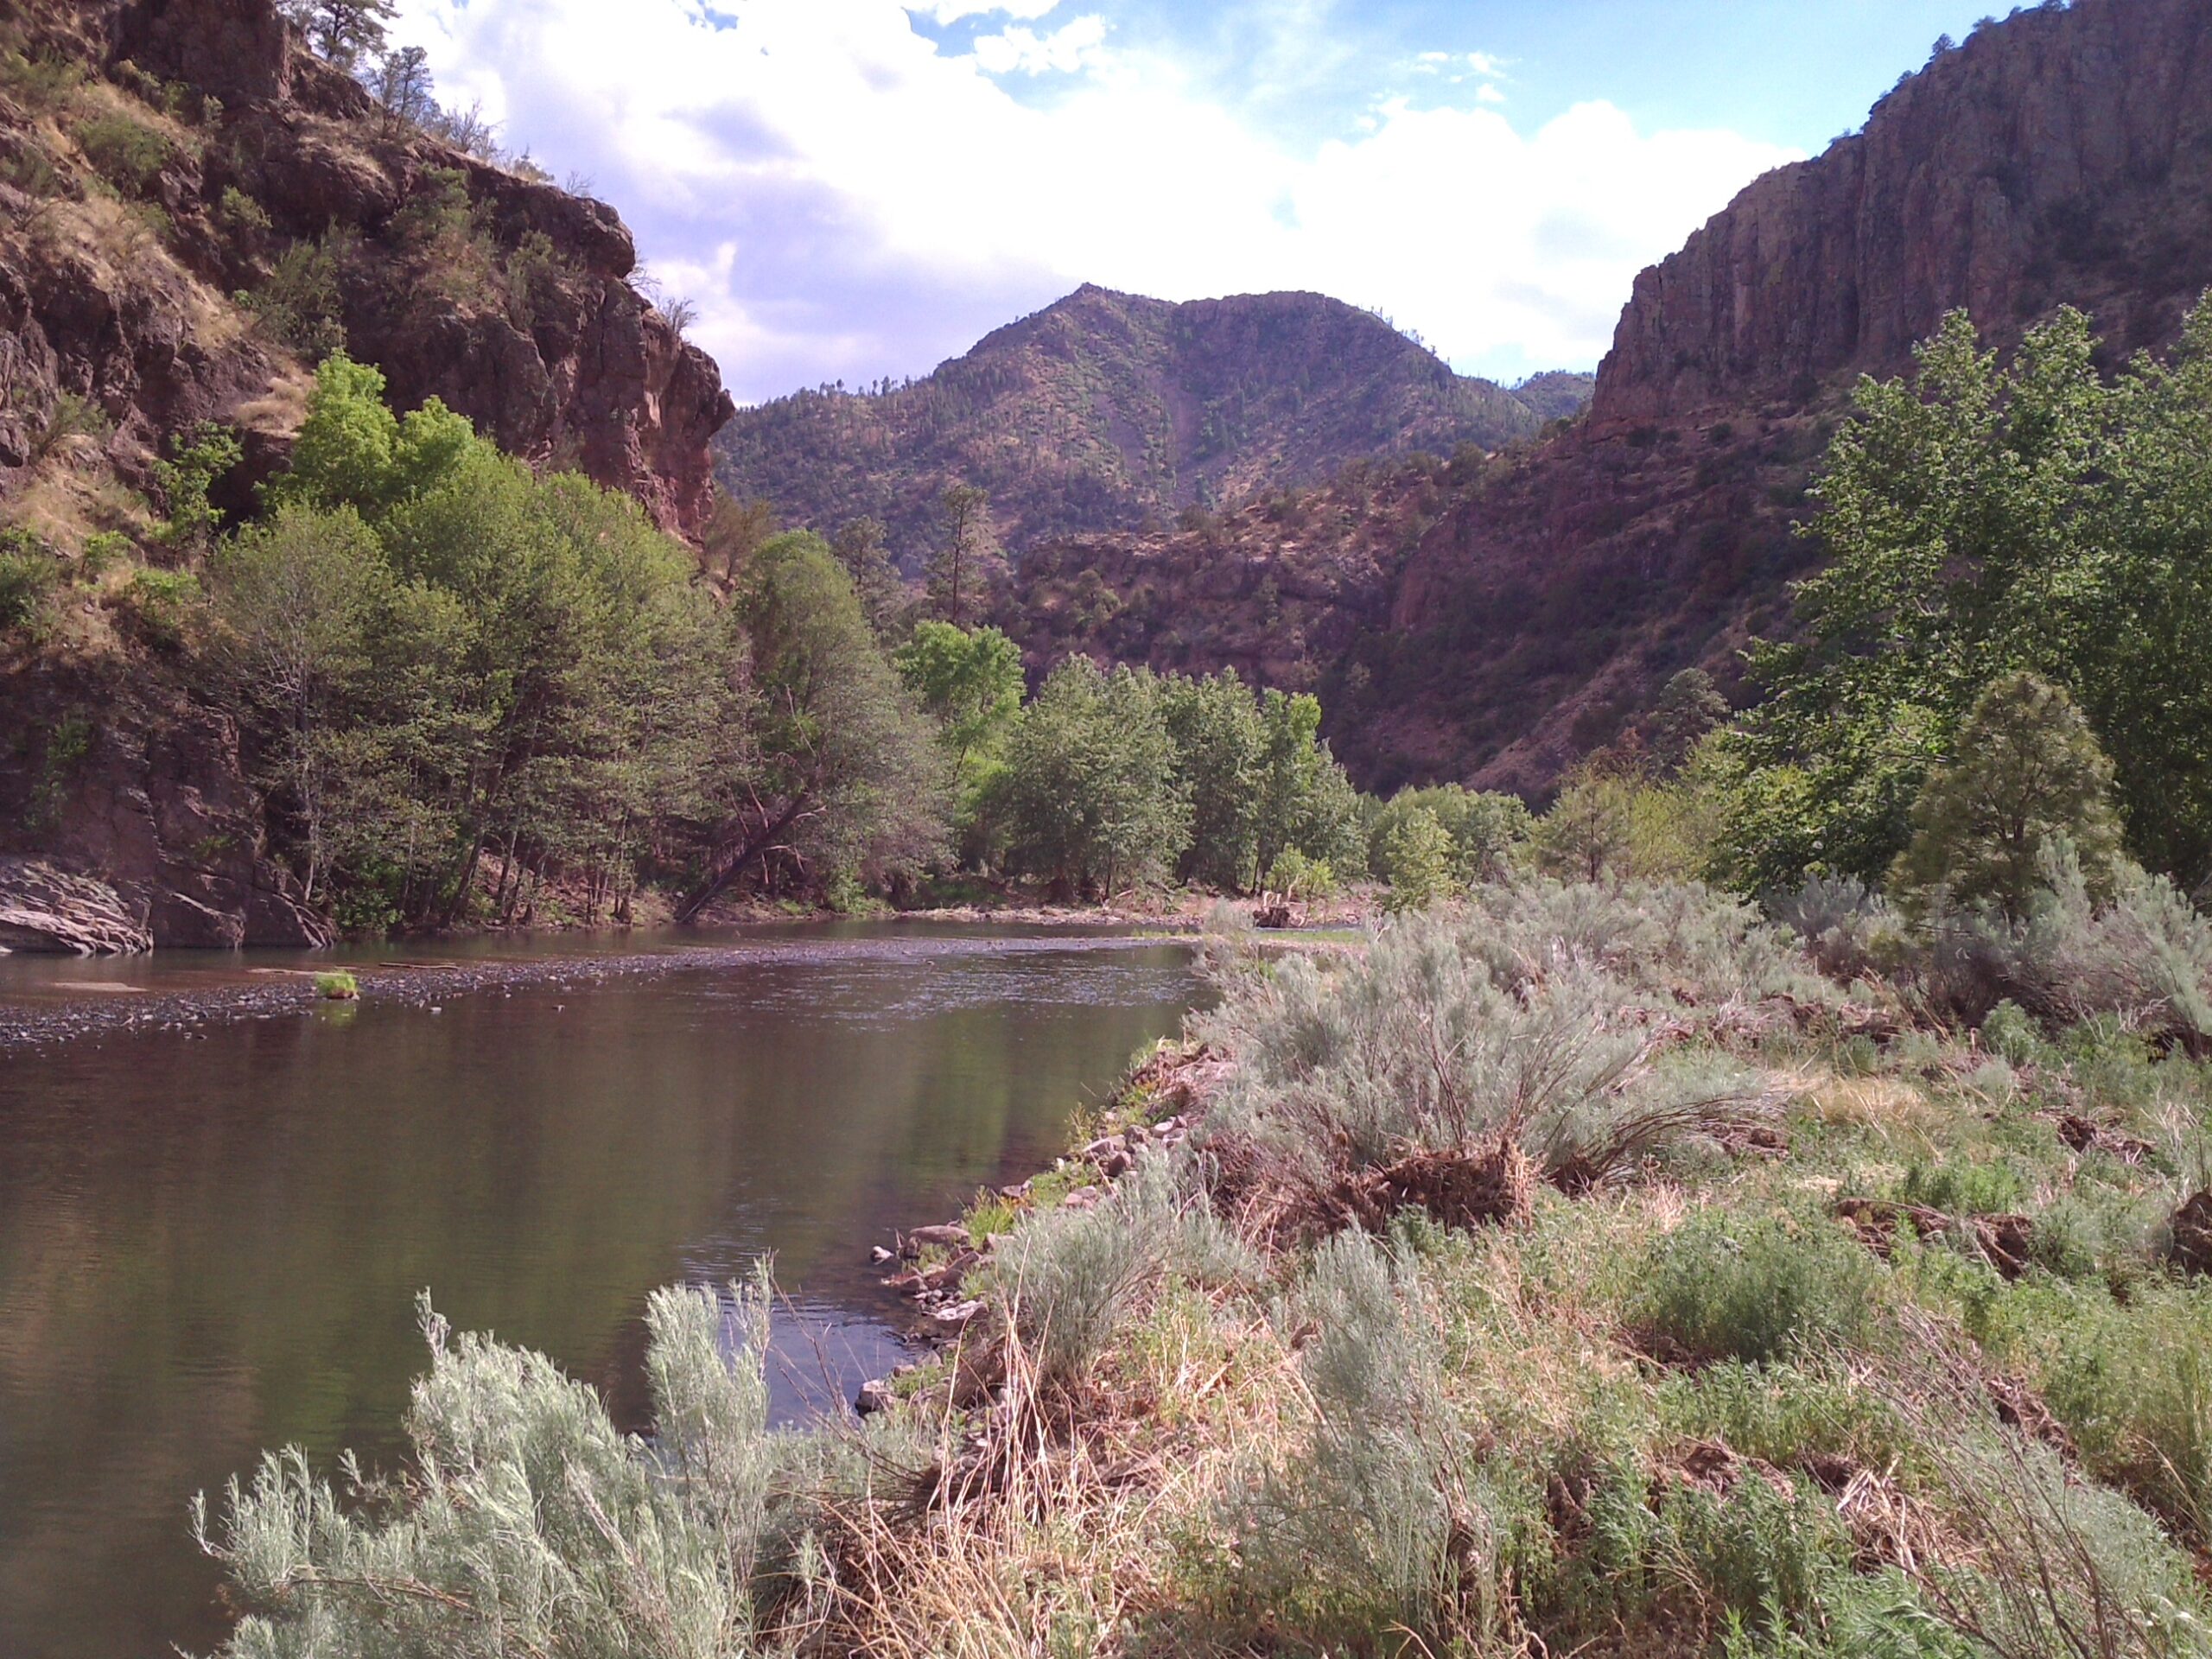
(128, 154)
(2132, 1382)
(1848, 929)
(28, 577)
(1382, 1519)
(2007, 1033)
(160, 602)
(1757, 1288)
(1964, 1189)
(527, 1514)
(1414, 855)
(71, 417)
(299, 304)
(2144, 957)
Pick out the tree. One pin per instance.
(1305, 799)
(734, 532)
(1688, 707)
(1985, 520)
(1486, 831)
(198, 461)
(348, 32)
(860, 548)
(301, 597)
(846, 778)
(1090, 787)
(2027, 774)
(403, 85)
(970, 682)
(961, 568)
(1414, 855)
(1214, 726)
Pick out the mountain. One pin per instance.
(193, 210)
(1495, 623)
(1107, 411)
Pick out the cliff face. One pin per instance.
(2064, 155)
(230, 149)
(1110, 411)
(193, 210)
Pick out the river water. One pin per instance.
(211, 1236)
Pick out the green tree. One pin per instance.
(1306, 801)
(969, 681)
(1486, 830)
(846, 777)
(195, 465)
(1089, 791)
(1414, 855)
(301, 596)
(1220, 747)
(1984, 520)
(2027, 774)
(1688, 708)
(860, 548)
(349, 33)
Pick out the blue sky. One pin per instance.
(847, 189)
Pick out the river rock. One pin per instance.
(953, 1237)
(874, 1396)
(959, 1315)
(43, 908)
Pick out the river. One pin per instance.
(212, 1228)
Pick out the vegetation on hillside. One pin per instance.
(1110, 412)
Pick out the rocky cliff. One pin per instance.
(2063, 156)
(1110, 411)
(193, 210)
(1525, 611)
(199, 206)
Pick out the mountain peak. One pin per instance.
(1110, 412)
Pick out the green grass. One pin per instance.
(338, 986)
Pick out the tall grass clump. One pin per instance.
(527, 1524)
(1386, 1517)
(1756, 1288)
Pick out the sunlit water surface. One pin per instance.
(211, 1244)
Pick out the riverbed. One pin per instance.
(219, 1195)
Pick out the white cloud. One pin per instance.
(951, 11)
(842, 198)
(1066, 50)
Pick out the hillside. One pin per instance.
(193, 210)
(1523, 612)
(1107, 411)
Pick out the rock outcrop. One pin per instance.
(2063, 156)
(510, 303)
(45, 909)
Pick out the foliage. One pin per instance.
(967, 556)
(198, 461)
(162, 603)
(1756, 1288)
(1090, 791)
(1486, 830)
(2028, 775)
(299, 303)
(349, 33)
(72, 416)
(337, 987)
(27, 578)
(1985, 520)
(1613, 825)
(532, 1525)
(1412, 852)
(126, 153)
(970, 682)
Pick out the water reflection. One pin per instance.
(211, 1247)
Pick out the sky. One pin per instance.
(847, 190)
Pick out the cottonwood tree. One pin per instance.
(845, 775)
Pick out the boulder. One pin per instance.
(43, 908)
